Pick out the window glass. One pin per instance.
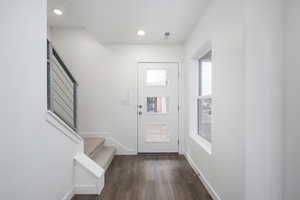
(205, 78)
(204, 100)
(204, 118)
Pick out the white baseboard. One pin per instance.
(69, 195)
(111, 141)
(86, 189)
(121, 149)
(205, 182)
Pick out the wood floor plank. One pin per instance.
(150, 177)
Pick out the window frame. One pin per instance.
(205, 144)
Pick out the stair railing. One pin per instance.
(61, 89)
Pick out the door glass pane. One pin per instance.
(156, 77)
(157, 133)
(157, 104)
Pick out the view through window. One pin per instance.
(204, 99)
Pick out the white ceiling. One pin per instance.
(117, 21)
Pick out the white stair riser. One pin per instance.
(104, 157)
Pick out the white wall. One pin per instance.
(36, 159)
(107, 79)
(292, 100)
(132, 54)
(93, 67)
(49, 31)
(105, 96)
(224, 168)
(246, 38)
(149, 53)
(264, 121)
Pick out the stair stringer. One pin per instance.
(88, 177)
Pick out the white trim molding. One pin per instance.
(110, 141)
(60, 125)
(206, 46)
(205, 182)
(89, 176)
(87, 189)
(69, 195)
(201, 142)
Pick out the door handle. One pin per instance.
(140, 113)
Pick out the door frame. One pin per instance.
(180, 132)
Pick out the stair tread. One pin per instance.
(91, 144)
(104, 156)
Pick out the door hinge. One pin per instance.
(178, 142)
(178, 108)
(178, 74)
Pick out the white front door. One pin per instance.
(158, 107)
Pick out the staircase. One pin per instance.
(91, 165)
(97, 151)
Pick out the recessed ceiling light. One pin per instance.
(141, 33)
(57, 12)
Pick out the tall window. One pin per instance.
(204, 99)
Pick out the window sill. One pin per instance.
(201, 142)
(60, 125)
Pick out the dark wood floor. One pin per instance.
(150, 177)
